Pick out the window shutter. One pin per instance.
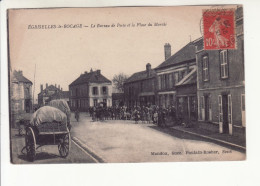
(159, 82)
(170, 81)
(229, 109)
(226, 64)
(203, 108)
(210, 110)
(221, 65)
(220, 114)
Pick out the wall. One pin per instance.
(100, 96)
(133, 90)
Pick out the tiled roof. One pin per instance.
(140, 76)
(61, 94)
(91, 77)
(52, 88)
(20, 78)
(185, 54)
(48, 91)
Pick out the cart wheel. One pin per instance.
(30, 144)
(64, 145)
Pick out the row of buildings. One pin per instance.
(204, 85)
(21, 97)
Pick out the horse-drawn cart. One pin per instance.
(47, 134)
(48, 126)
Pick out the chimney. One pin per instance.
(46, 85)
(148, 69)
(59, 87)
(98, 72)
(167, 50)
(41, 87)
(55, 85)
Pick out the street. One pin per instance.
(124, 141)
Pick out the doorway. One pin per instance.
(27, 105)
(206, 108)
(225, 113)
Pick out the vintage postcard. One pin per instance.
(126, 84)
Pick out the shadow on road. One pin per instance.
(183, 135)
(177, 134)
(39, 156)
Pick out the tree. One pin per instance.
(118, 81)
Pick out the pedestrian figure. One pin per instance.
(155, 117)
(164, 114)
(94, 112)
(136, 115)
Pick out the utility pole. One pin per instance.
(34, 86)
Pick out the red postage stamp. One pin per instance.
(219, 29)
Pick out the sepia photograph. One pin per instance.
(126, 84)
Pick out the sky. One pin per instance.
(62, 54)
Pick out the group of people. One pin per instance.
(142, 114)
(155, 114)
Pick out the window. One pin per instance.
(170, 81)
(205, 67)
(77, 92)
(159, 82)
(95, 91)
(105, 101)
(162, 82)
(104, 90)
(95, 102)
(181, 74)
(166, 80)
(223, 64)
(173, 79)
(176, 77)
(27, 91)
(141, 86)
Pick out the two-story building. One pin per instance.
(89, 89)
(20, 95)
(47, 94)
(220, 85)
(139, 88)
(176, 83)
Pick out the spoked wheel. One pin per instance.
(30, 144)
(64, 145)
